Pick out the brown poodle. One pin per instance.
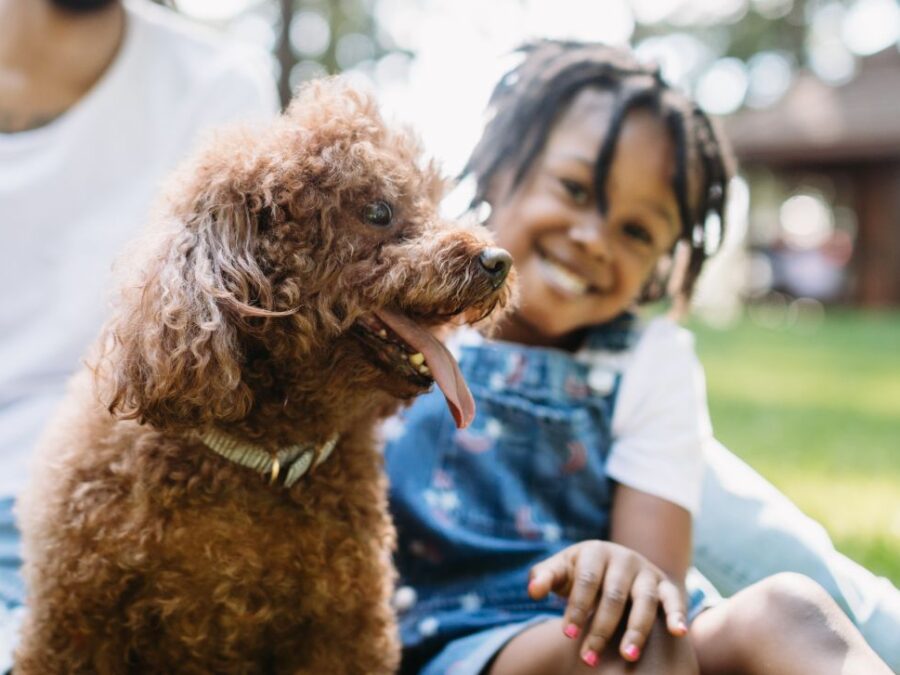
(210, 499)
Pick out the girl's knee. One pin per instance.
(767, 621)
(780, 607)
(797, 598)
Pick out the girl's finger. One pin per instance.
(613, 596)
(549, 575)
(673, 604)
(644, 603)
(586, 573)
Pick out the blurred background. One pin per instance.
(798, 317)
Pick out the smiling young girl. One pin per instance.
(544, 538)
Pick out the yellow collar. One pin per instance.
(295, 459)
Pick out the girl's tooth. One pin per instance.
(382, 333)
(565, 278)
(417, 359)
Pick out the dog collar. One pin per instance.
(288, 464)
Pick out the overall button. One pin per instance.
(601, 381)
(404, 598)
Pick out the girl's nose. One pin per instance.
(590, 233)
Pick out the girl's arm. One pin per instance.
(657, 529)
(661, 532)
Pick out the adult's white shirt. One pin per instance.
(72, 193)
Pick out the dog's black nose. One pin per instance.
(497, 263)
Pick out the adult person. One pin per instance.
(99, 99)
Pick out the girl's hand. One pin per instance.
(598, 578)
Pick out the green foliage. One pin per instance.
(816, 409)
(750, 32)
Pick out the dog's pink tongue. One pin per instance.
(443, 366)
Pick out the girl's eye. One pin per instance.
(378, 213)
(637, 232)
(578, 192)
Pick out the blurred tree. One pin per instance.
(343, 33)
(827, 37)
(747, 30)
(312, 37)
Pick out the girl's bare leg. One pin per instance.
(783, 625)
(543, 650)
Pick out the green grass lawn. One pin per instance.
(816, 409)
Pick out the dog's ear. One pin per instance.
(172, 354)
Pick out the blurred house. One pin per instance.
(846, 139)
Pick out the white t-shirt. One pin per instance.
(660, 423)
(73, 192)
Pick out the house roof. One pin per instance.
(815, 122)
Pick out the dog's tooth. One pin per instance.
(382, 333)
(425, 370)
(417, 359)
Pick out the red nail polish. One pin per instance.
(590, 657)
(572, 631)
(631, 652)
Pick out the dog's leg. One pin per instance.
(76, 623)
(366, 648)
(49, 647)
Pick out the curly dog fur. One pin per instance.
(145, 551)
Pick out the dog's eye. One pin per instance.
(378, 213)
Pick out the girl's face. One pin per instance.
(576, 267)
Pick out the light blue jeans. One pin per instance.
(747, 530)
(12, 591)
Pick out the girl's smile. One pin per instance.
(567, 268)
(577, 266)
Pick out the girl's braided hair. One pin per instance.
(528, 99)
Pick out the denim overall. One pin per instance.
(476, 508)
